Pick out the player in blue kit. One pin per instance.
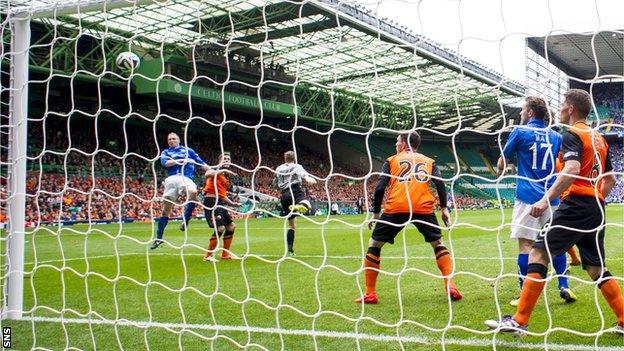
(535, 147)
(180, 162)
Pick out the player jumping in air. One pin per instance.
(535, 146)
(586, 179)
(180, 162)
(407, 175)
(288, 179)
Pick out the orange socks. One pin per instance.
(371, 268)
(227, 242)
(212, 245)
(445, 264)
(531, 291)
(611, 291)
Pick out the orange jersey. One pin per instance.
(217, 187)
(408, 189)
(591, 150)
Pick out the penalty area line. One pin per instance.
(322, 333)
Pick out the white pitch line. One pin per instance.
(325, 333)
(252, 255)
(273, 256)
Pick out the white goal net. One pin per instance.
(112, 114)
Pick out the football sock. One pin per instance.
(290, 239)
(560, 265)
(574, 255)
(371, 265)
(445, 264)
(531, 291)
(613, 294)
(212, 244)
(227, 241)
(523, 265)
(162, 223)
(188, 212)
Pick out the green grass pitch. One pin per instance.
(269, 301)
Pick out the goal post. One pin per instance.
(18, 112)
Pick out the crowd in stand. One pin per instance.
(128, 177)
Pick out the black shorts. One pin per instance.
(289, 198)
(426, 224)
(575, 215)
(216, 216)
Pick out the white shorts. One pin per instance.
(178, 185)
(525, 226)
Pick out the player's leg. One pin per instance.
(212, 218)
(593, 259)
(228, 236)
(553, 241)
(287, 202)
(574, 258)
(170, 196)
(428, 226)
(213, 243)
(162, 223)
(525, 229)
(190, 189)
(382, 234)
(559, 263)
(290, 235)
(300, 204)
(524, 248)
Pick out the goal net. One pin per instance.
(92, 90)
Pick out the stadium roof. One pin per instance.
(586, 56)
(327, 44)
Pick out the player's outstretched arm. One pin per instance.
(226, 200)
(309, 179)
(305, 175)
(211, 172)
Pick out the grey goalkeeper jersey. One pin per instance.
(289, 174)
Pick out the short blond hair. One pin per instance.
(289, 156)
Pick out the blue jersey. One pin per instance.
(181, 153)
(536, 153)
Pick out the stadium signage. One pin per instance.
(175, 89)
(214, 97)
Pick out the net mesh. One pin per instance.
(333, 81)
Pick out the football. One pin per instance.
(128, 61)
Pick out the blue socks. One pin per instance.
(188, 212)
(559, 264)
(162, 223)
(523, 266)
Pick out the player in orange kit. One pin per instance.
(585, 180)
(409, 200)
(218, 217)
